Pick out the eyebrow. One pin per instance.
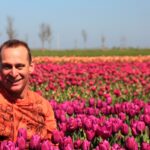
(10, 65)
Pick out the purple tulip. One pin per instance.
(35, 142)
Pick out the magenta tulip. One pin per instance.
(35, 142)
(131, 144)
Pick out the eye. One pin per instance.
(6, 66)
(20, 66)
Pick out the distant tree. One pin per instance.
(45, 34)
(103, 40)
(84, 35)
(10, 31)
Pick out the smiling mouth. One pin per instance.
(13, 81)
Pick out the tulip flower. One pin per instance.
(86, 145)
(45, 145)
(124, 129)
(145, 146)
(22, 132)
(21, 142)
(91, 102)
(35, 142)
(131, 144)
(104, 145)
(89, 134)
(78, 144)
(57, 136)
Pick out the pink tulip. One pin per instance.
(78, 144)
(70, 110)
(87, 123)
(146, 119)
(35, 142)
(140, 126)
(90, 134)
(145, 146)
(124, 129)
(22, 132)
(72, 125)
(122, 116)
(47, 145)
(104, 131)
(91, 102)
(57, 136)
(117, 147)
(131, 144)
(21, 143)
(104, 145)
(7, 145)
(66, 143)
(86, 145)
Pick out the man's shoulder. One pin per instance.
(35, 96)
(39, 100)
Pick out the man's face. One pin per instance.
(15, 69)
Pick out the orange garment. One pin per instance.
(33, 113)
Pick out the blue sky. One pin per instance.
(113, 19)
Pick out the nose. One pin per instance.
(14, 72)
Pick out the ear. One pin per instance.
(31, 67)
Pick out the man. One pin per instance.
(19, 106)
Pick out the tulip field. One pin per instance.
(100, 103)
